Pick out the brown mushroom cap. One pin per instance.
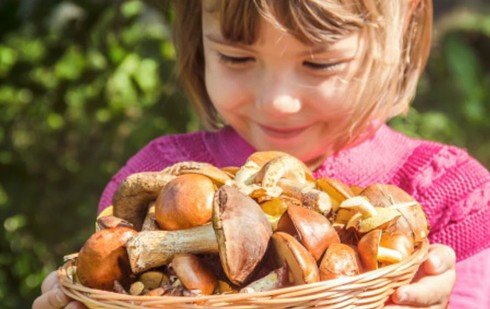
(301, 264)
(242, 231)
(185, 202)
(103, 258)
(312, 229)
(382, 195)
(368, 249)
(339, 260)
(193, 273)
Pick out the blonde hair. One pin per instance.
(394, 56)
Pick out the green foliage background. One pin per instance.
(85, 84)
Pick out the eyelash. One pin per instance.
(323, 66)
(314, 66)
(234, 60)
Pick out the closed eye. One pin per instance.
(323, 66)
(234, 60)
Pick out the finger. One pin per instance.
(54, 298)
(75, 305)
(428, 291)
(441, 258)
(49, 282)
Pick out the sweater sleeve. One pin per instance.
(155, 156)
(472, 288)
(454, 190)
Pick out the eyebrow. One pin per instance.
(318, 49)
(216, 39)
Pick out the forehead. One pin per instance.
(270, 37)
(311, 22)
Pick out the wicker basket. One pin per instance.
(368, 290)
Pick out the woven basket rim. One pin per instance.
(343, 283)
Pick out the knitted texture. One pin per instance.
(453, 188)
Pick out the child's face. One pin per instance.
(279, 93)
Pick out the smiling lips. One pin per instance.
(282, 132)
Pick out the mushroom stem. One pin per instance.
(276, 279)
(360, 204)
(150, 249)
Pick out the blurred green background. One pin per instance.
(85, 84)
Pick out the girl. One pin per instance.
(318, 79)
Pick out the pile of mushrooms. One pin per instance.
(195, 229)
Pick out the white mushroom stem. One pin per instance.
(390, 256)
(246, 174)
(283, 167)
(150, 249)
(360, 204)
(276, 279)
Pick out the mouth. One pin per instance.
(283, 133)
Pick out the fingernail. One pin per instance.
(436, 263)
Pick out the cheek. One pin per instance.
(225, 89)
(331, 97)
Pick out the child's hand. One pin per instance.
(433, 283)
(52, 297)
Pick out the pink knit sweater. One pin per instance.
(453, 188)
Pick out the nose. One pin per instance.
(278, 97)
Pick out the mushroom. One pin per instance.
(337, 190)
(246, 174)
(367, 217)
(185, 202)
(278, 278)
(103, 258)
(193, 274)
(372, 253)
(240, 233)
(135, 193)
(393, 197)
(300, 263)
(312, 229)
(138, 190)
(339, 260)
(285, 166)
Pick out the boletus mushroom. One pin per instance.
(312, 229)
(301, 265)
(193, 273)
(103, 258)
(185, 202)
(337, 190)
(239, 232)
(372, 253)
(393, 197)
(339, 260)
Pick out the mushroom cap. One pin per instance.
(312, 229)
(301, 265)
(193, 273)
(399, 242)
(339, 260)
(368, 249)
(185, 202)
(103, 258)
(242, 231)
(382, 195)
